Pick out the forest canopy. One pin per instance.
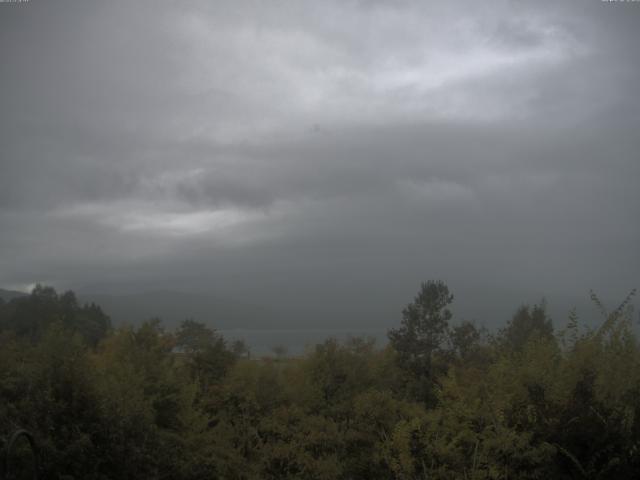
(444, 399)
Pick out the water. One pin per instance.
(297, 341)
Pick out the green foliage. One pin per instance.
(47, 388)
(422, 335)
(31, 316)
(526, 324)
(466, 341)
(145, 403)
(205, 352)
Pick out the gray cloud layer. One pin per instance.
(326, 155)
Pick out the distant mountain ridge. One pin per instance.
(7, 295)
(224, 313)
(172, 307)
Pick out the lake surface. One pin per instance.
(297, 341)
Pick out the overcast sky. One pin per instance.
(328, 155)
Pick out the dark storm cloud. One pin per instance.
(348, 148)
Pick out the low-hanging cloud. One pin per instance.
(284, 149)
